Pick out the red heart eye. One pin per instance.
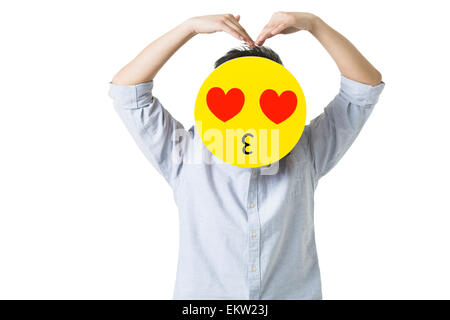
(278, 108)
(225, 106)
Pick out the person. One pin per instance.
(244, 234)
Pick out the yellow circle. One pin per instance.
(250, 112)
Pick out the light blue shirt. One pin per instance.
(245, 233)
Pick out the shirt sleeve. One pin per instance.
(332, 132)
(156, 132)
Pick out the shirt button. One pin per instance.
(253, 234)
(251, 205)
(254, 269)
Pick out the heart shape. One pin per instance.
(225, 106)
(278, 108)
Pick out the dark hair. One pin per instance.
(246, 51)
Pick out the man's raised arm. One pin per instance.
(151, 125)
(350, 61)
(146, 65)
(330, 134)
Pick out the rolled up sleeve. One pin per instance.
(332, 132)
(152, 127)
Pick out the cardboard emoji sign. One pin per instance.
(250, 112)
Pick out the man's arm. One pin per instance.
(146, 65)
(329, 135)
(153, 128)
(350, 61)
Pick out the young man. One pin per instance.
(243, 234)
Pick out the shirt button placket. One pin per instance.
(254, 270)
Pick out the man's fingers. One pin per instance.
(233, 27)
(278, 29)
(259, 40)
(240, 31)
(247, 37)
(264, 35)
(232, 31)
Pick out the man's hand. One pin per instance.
(220, 22)
(147, 63)
(350, 61)
(285, 22)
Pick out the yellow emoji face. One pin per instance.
(250, 112)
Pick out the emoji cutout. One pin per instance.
(250, 112)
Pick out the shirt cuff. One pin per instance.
(134, 96)
(359, 93)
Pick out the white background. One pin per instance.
(84, 215)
